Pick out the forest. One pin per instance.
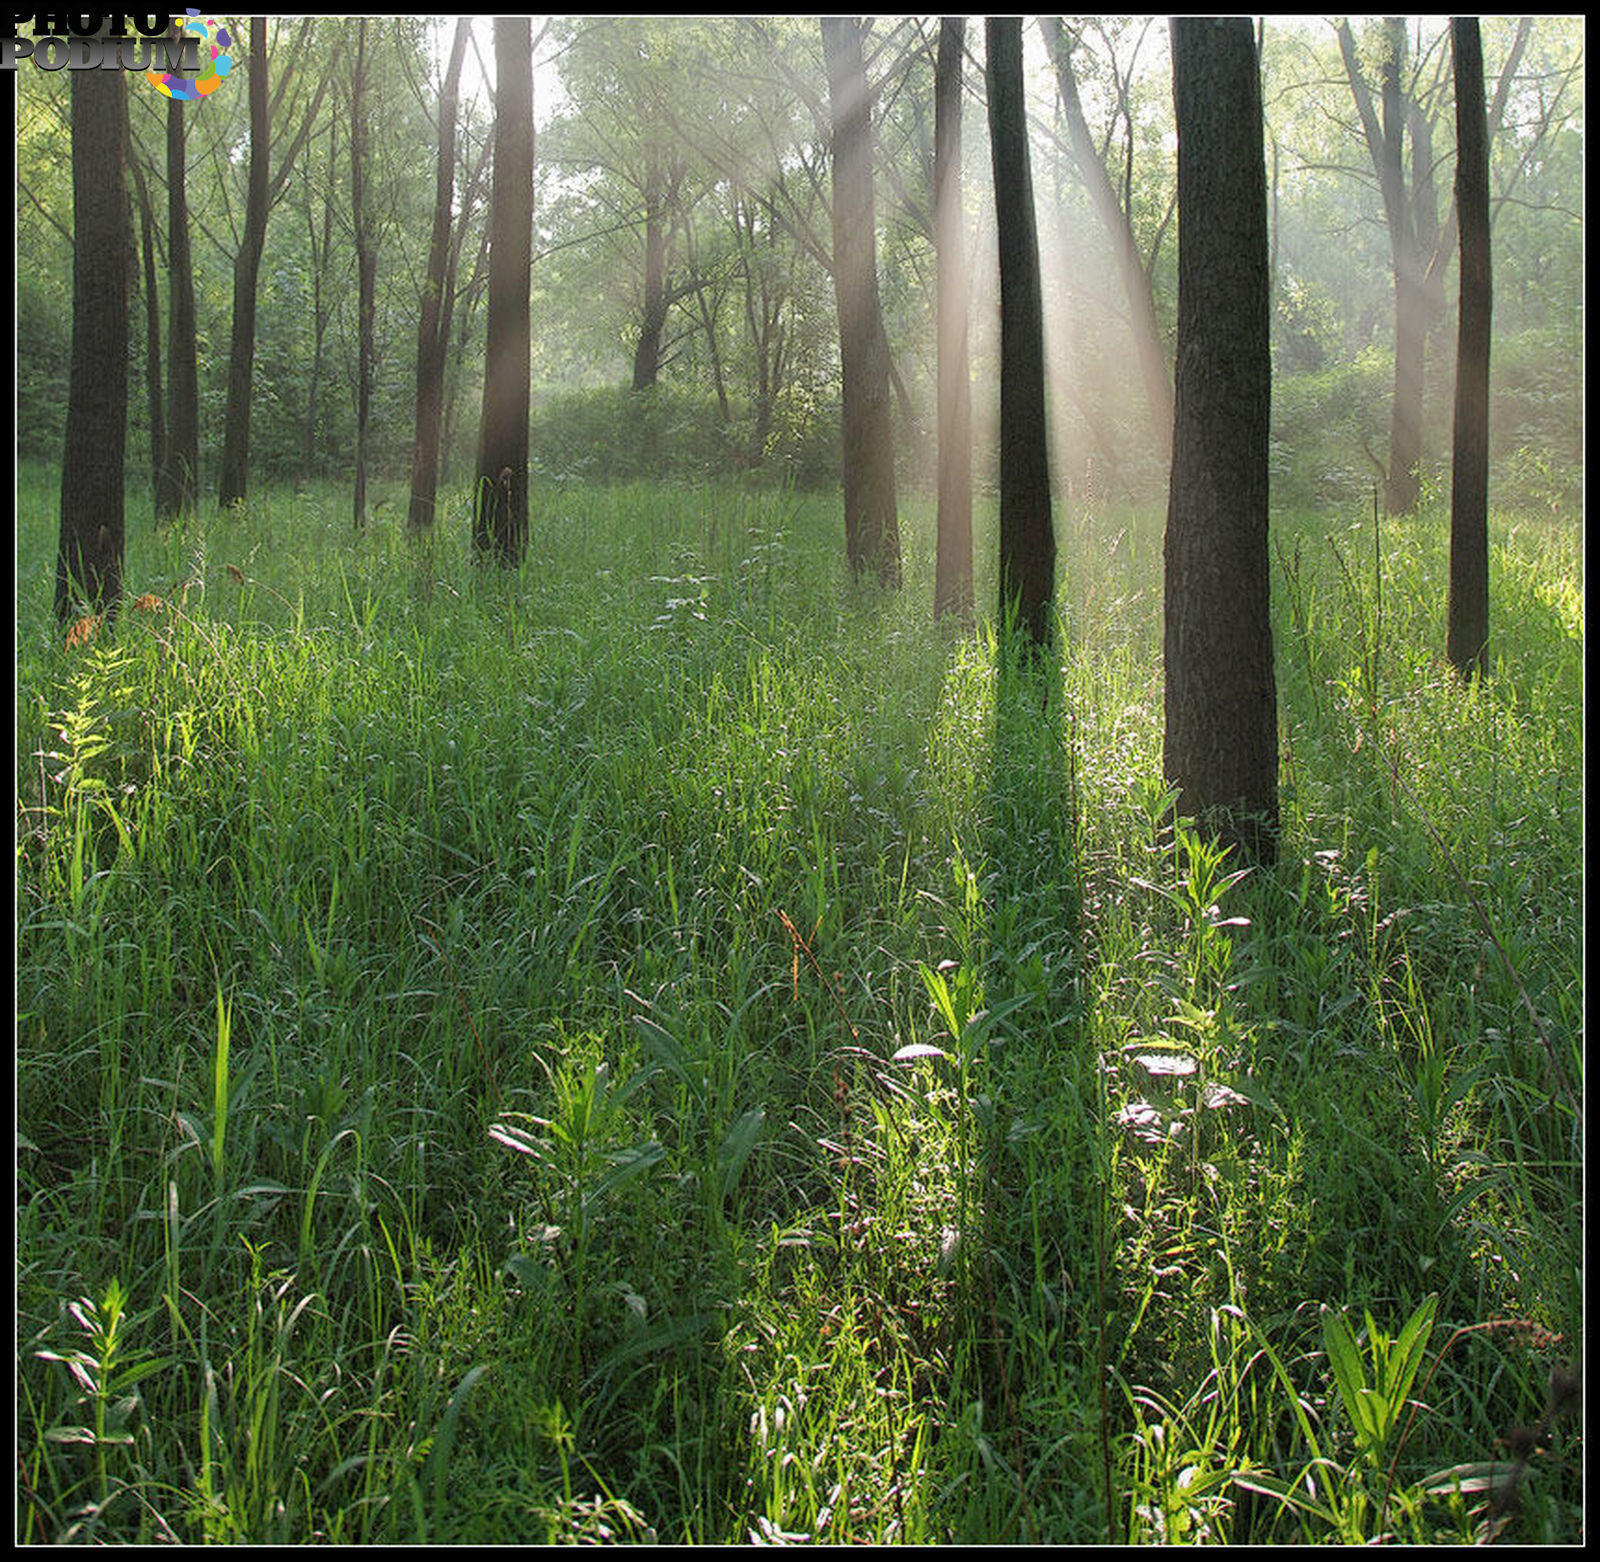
(794, 780)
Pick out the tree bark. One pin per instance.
(1468, 634)
(871, 519)
(952, 584)
(433, 328)
(1221, 744)
(90, 549)
(500, 492)
(1027, 532)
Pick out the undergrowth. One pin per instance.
(669, 1045)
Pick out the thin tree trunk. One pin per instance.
(89, 553)
(235, 476)
(433, 327)
(952, 584)
(647, 352)
(1468, 635)
(871, 519)
(1027, 532)
(152, 335)
(1117, 221)
(1221, 747)
(366, 272)
(180, 489)
(500, 493)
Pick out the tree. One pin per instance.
(89, 555)
(952, 587)
(152, 326)
(433, 328)
(1412, 216)
(1221, 744)
(1468, 635)
(265, 187)
(1116, 215)
(1027, 534)
(366, 246)
(871, 521)
(500, 492)
(178, 489)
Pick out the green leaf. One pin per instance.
(737, 1145)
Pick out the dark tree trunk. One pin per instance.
(1221, 700)
(500, 492)
(1118, 223)
(89, 555)
(235, 476)
(952, 582)
(434, 325)
(180, 491)
(871, 519)
(1027, 533)
(1468, 637)
(366, 271)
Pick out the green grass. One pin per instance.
(668, 1044)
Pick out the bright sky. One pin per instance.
(478, 68)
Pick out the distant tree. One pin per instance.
(952, 587)
(500, 492)
(871, 520)
(265, 186)
(1468, 635)
(89, 555)
(1116, 216)
(235, 475)
(178, 489)
(433, 328)
(1221, 747)
(1027, 532)
(152, 326)
(1410, 206)
(366, 246)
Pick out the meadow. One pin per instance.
(669, 1044)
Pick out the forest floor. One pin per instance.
(670, 1045)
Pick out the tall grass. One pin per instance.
(669, 1044)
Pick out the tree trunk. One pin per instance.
(180, 490)
(500, 492)
(152, 334)
(871, 520)
(366, 272)
(1118, 223)
(1221, 748)
(432, 329)
(1407, 214)
(1468, 636)
(235, 476)
(647, 352)
(89, 554)
(952, 583)
(1027, 533)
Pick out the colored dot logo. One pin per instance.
(215, 62)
